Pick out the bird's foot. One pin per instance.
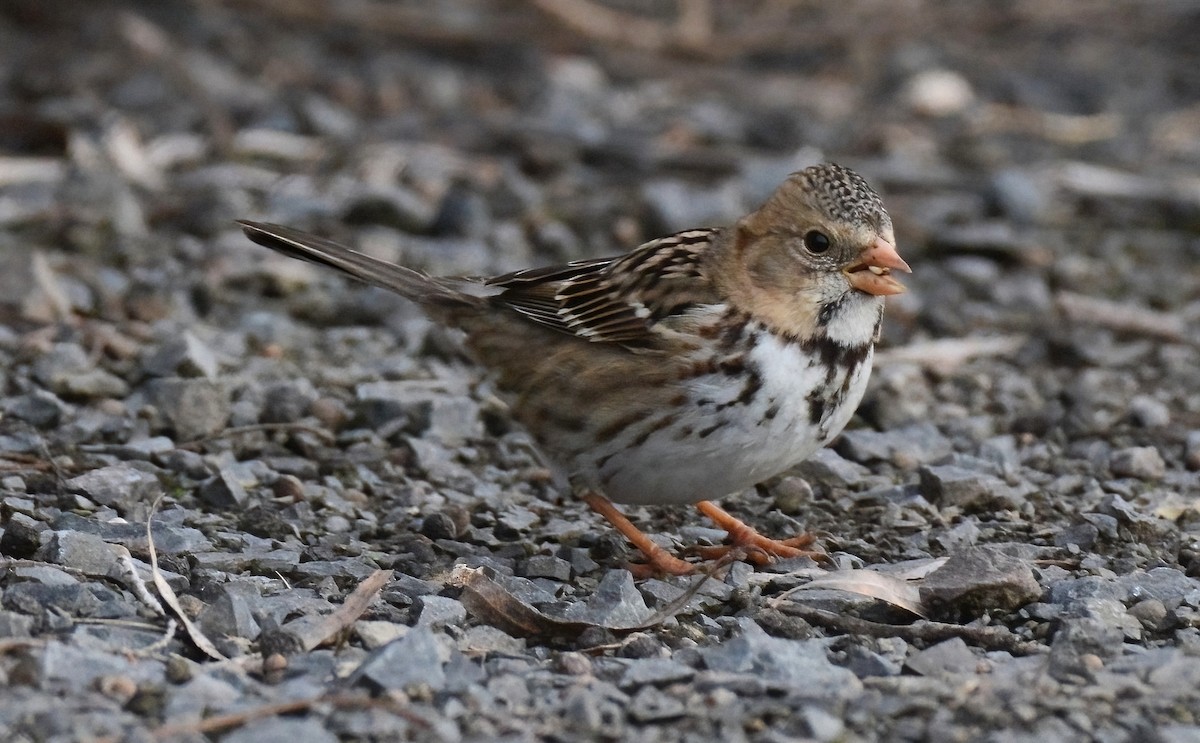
(658, 560)
(757, 548)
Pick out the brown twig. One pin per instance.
(13, 462)
(311, 632)
(1121, 316)
(59, 475)
(991, 638)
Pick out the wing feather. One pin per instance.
(614, 300)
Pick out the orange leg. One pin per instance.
(759, 549)
(658, 560)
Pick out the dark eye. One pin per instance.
(816, 241)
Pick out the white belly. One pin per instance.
(731, 441)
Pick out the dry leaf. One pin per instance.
(311, 632)
(487, 599)
(888, 588)
(912, 569)
(170, 599)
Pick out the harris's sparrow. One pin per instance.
(690, 368)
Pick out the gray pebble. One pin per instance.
(168, 539)
(67, 370)
(865, 663)
(485, 639)
(978, 580)
(616, 602)
(1148, 412)
(640, 645)
(417, 407)
(184, 356)
(1083, 536)
(191, 408)
(120, 486)
(185, 462)
(13, 624)
(1180, 733)
(1019, 196)
(38, 408)
(1171, 586)
(60, 360)
(230, 614)
(1141, 462)
(344, 568)
(948, 657)
(651, 705)
(1071, 591)
(906, 447)
(84, 552)
(90, 384)
(145, 448)
(654, 671)
(439, 611)
(822, 725)
(547, 566)
(78, 668)
(792, 494)
(46, 575)
(799, 665)
(417, 658)
(948, 485)
(1080, 646)
(828, 467)
(574, 663)
(1151, 613)
(224, 490)
(287, 401)
(441, 525)
(375, 634)
(22, 536)
(462, 213)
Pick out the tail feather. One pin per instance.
(412, 284)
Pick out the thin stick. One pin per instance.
(992, 638)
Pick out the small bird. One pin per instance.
(691, 368)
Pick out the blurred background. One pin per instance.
(523, 132)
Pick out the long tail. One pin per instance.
(412, 284)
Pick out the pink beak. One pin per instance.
(871, 273)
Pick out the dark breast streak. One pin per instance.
(730, 363)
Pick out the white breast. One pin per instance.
(729, 441)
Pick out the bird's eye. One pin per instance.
(816, 241)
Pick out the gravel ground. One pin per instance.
(351, 539)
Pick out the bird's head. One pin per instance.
(823, 241)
